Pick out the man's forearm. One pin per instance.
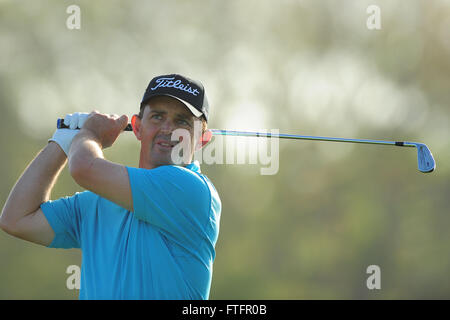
(35, 184)
(92, 171)
(83, 152)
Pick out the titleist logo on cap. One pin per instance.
(169, 83)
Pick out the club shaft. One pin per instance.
(218, 132)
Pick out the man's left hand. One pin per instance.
(105, 128)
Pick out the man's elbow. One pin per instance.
(6, 224)
(3, 225)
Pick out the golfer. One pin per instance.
(145, 233)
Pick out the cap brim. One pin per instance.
(194, 111)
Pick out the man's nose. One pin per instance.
(168, 126)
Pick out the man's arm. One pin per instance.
(21, 214)
(88, 166)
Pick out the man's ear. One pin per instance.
(136, 124)
(206, 137)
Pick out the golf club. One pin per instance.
(425, 158)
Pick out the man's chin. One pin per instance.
(157, 159)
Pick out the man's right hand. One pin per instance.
(64, 137)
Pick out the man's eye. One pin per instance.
(184, 122)
(156, 116)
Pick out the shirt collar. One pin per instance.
(194, 166)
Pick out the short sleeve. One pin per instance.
(172, 198)
(65, 218)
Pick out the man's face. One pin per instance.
(161, 117)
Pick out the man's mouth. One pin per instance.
(167, 144)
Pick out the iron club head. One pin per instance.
(425, 159)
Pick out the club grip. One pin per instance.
(60, 125)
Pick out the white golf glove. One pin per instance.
(64, 137)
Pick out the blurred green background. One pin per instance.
(303, 67)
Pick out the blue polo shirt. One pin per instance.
(162, 250)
